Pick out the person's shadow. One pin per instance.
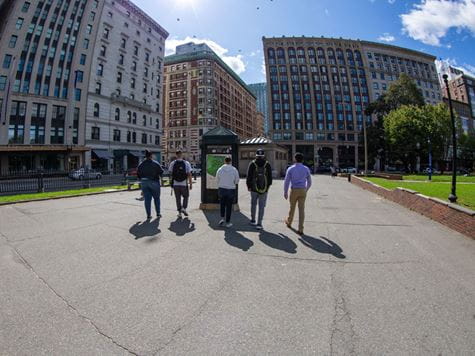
(279, 242)
(145, 228)
(235, 239)
(322, 245)
(181, 227)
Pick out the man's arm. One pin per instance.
(250, 173)
(287, 183)
(309, 180)
(236, 178)
(190, 177)
(269, 174)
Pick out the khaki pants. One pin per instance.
(297, 196)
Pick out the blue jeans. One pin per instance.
(151, 189)
(226, 197)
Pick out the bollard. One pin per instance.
(349, 177)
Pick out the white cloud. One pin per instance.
(386, 37)
(430, 20)
(235, 62)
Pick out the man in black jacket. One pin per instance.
(149, 173)
(259, 180)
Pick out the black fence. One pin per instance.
(53, 181)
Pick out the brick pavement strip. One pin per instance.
(88, 276)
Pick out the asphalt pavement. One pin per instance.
(88, 276)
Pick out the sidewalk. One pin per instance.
(88, 276)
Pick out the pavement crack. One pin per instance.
(71, 307)
(342, 338)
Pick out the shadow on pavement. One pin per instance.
(181, 227)
(235, 239)
(239, 220)
(278, 241)
(145, 228)
(322, 245)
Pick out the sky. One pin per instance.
(234, 28)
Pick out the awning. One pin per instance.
(102, 154)
(137, 154)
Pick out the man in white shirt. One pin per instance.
(228, 179)
(181, 182)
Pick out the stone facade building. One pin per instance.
(260, 91)
(318, 89)
(54, 71)
(201, 92)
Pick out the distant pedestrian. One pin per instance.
(333, 170)
(299, 179)
(228, 179)
(181, 182)
(259, 180)
(149, 172)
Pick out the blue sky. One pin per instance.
(234, 28)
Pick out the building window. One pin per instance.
(82, 60)
(57, 125)
(103, 51)
(79, 76)
(134, 137)
(105, 34)
(129, 117)
(75, 126)
(98, 88)
(132, 83)
(7, 60)
(37, 127)
(157, 140)
(16, 127)
(121, 59)
(88, 29)
(116, 136)
(77, 93)
(12, 42)
(136, 50)
(3, 82)
(19, 23)
(123, 43)
(85, 43)
(144, 120)
(100, 69)
(96, 110)
(117, 114)
(129, 136)
(95, 133)
(134, 66)
(144, 138)
(119, 77)
(25, 7)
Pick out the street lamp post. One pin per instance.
(453, 195)
(365, 148)
(430, 158)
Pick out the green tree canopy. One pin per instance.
(411, 125)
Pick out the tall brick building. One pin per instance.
(318, 89)
(200, 93)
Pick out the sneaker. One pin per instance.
(149, 217)
(300, 233)
(180, 216)
(229, 224)
(184, 212)
(159, 216)
(289, 225)
(259, 227)
(140, 199)
(253, 222)
(221, 222)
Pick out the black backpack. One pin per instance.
(179, 171)
(260, 178)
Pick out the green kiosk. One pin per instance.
(215, 146)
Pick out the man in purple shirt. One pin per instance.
(299, 179)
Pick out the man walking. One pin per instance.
(298, 177)
(228, 179)
(259, 179)
(181, 182)
(149, 173)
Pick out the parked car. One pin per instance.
(351, 170)
(195, 170)
(83, 173)
(428, 170)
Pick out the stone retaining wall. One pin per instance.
(451, 215)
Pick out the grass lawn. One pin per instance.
(441, 190)
(65, 193)
(440, 178)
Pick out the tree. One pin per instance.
(467, 147)
(410, 128)
(404, 91)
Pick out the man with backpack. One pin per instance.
(181, 182)
(259, 179)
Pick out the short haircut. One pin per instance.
(179, 152)
(148, 154)
(228, 160)
(299, 157)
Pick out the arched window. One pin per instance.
(134, 116)
(134, 137)
(96, 110)
(291, 52)
(271, 53)
(117, 114)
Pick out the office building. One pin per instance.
(318, 89)
(200, 93)
(60, 94)
(260, 91)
